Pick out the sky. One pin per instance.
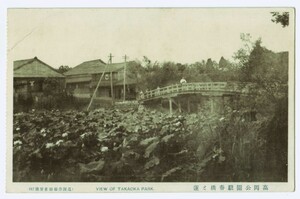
(72, 36)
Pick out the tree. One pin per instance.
(181, 68)
(200, 67)
(52, 86)
(136, 72)
(223, 63)
(265, 66)
(269, 73)
(242, 55)
(62, 69)
(209, 64)
(282, 18)
(170, 73)
(253, 64)
(268, 70)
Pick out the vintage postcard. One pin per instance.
(150, 100)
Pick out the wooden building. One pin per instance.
(82, 80)
(30, 76)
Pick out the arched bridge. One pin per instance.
(209, 90)
(205, 88)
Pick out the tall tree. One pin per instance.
(209, 64)
(199, 66)
(136, 72)
(266, 66)
(223, 63)
(269, 73)
(242, 55)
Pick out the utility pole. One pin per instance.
(124, 83)
(111, 83)
(95, 91)
(98, 84)
(110, 58)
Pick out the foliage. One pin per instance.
(268, 71)
(223, 63)
(144, 145)
(151, 75)
(62, 69)
(104, 146)
(51, 96)
(61, 100)
(52, 86)
(209, 64)
(282, 18)
(242, 55)
(149, 146)
(137, 72)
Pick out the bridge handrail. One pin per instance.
(199, 87)
(187, 87)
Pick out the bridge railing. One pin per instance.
(189, 87)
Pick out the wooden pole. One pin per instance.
(211, 105)
(111, 88)
(189, 105)
(124, 82)
(179, 107)
(223, 104)
(110, 58)
(95, 91)
(170, 106)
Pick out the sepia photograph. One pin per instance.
(141, 99)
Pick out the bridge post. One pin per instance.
(179, 107)
(211, 104)
(223, 104)
(188, 105)
(170, 106)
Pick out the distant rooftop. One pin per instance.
(94, 67)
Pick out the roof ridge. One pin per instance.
(37, 59)
(122, 62)
(23, 60)
(94, 67)
(93, 61)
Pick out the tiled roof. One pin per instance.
(20, 63)
(34, 68)
(94, 67)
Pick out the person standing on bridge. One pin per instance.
(157, 91)
(182, 81)
(141, 95)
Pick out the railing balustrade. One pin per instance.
(189, 87)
